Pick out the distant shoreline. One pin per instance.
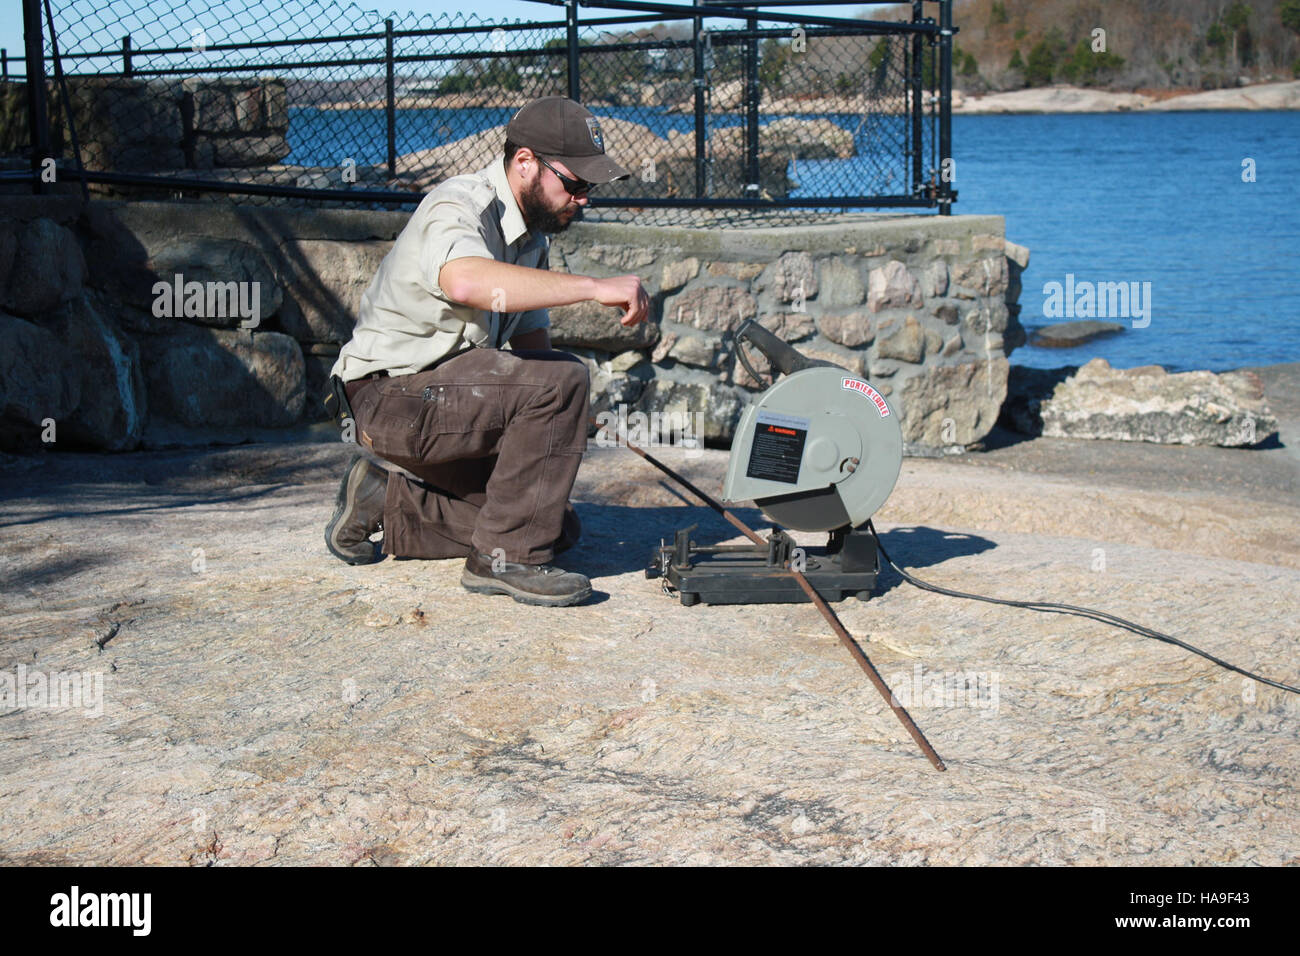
(1074, 99)
(1044, 99)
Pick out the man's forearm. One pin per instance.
(501, 287)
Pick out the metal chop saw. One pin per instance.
(819, 450)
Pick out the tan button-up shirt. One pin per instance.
(406, 322)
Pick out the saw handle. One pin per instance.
(784, 357)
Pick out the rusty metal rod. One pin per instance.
(845, 638)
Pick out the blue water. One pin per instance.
(1156, 198)
(1153, 197)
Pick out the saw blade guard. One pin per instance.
(818, 450)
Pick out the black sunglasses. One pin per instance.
(577, 188)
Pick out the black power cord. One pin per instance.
(1095, 615)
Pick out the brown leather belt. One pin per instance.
(356, 385)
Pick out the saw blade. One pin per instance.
(821, 510)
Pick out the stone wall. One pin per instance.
(923, 306)
(133, 125)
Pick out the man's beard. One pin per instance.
(537, 215)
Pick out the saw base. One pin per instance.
(756, 574)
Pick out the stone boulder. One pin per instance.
(892, 286)
(711, 308)
(979, 277)
(595, 326)
(907, 343)
(37, 382)
(1066, 335)
(323, 281)
(1150, 404)
(224, 105)
(213, 377)
(840, 285)
(116, 259)
(850, 330)
(791, 278)
(615, 380)
(206, 259)
(687, 347)
(790, 326)
(105, 364)
(952, 405)
(721, 406)
(47, 269)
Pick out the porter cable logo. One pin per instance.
(103, 909)
(853, 385)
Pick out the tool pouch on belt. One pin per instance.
(336, 402)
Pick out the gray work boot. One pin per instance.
(527, 583)
(358, 513)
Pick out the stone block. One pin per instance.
(892, 286)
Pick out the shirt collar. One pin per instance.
(512, 219)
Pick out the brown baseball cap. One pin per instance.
(556, 127)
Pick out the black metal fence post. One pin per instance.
(571, 45)
(700, 82)
(390, 88)
(4, 63)
(751, 112)
(38, 116)
(126, 55)
(918, 101)
(945, 108)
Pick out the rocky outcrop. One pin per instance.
(1066, 335)
(1074, 99)
(1141, 404)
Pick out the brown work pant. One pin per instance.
(494, 438)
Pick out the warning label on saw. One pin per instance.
(778, 447)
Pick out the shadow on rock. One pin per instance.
(617, 539)
(918, 547)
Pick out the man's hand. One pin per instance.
(626, 293)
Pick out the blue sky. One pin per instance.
(11, 20)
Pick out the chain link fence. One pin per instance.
(312, 101)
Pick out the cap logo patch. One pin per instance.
(594, 128)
